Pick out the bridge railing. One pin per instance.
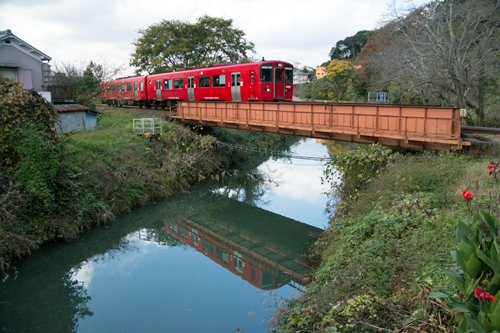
(409, 123)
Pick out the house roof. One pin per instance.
(7, 37)
(63, 108)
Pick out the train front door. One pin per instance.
(190, 88)
(279, 83)
(251, 86)
(235, 87)
(158, 90)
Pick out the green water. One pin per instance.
(211, 260)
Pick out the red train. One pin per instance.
(264, 81)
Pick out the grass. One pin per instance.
(109, 171)
(393, 242)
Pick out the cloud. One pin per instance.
(290, 30)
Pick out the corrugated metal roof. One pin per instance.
(72, 108)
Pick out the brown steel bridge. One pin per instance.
(406, 126)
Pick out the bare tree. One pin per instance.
(445, 52)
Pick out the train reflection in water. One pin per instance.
(265, 262)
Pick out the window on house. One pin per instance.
(9, 73)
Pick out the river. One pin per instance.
(215, 259)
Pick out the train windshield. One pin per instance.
(266, 73)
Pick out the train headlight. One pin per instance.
(268, 89)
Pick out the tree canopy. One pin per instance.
(350, 47)
(170, 45)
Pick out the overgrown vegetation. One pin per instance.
(440, 53)
(388, 244)
(52, 187)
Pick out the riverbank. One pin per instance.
(101, 174)
(385, 248)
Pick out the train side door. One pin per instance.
(190, 88)
(136, 91)
(252, 84)
(279, 83)
(118, 89)
(158, 90)
(235, 87)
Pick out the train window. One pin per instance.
(194, 239)
(135, 86)
(279, 76)
(142, 86)
(207, 246)
(113, 88)
(167, 84)
(178, 83)
(289, 75)
(251, 77)
(238, 264)
(204, 82)
(124, 87)
(183, 232)
(158, 84)
(173, 226)
(129, 86)
(219, 80)
(222, 255)
(266, 73)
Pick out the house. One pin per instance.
(24, 63)
(300, 77)
(321, 71)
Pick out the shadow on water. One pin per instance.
(261, 247)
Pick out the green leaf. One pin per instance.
(473, 267)
(474, 324)
(462, 259)
(466, 249)
(439, 294)
(457, 279)
(493, 265)
(464, 231)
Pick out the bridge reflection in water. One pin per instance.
(261, 247)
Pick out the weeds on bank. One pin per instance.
(382, 257)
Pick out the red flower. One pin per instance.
(490, 167)
(479, 292)
(467, 195)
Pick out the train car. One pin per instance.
(125, 91)
(261, 81)
(264, 81)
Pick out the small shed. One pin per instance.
(75, 117)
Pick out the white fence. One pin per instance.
(147, 126)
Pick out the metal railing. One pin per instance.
(147, 126)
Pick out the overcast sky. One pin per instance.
(290, 30)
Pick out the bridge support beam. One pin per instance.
(406, 126)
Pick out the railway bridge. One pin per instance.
(406, 126)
